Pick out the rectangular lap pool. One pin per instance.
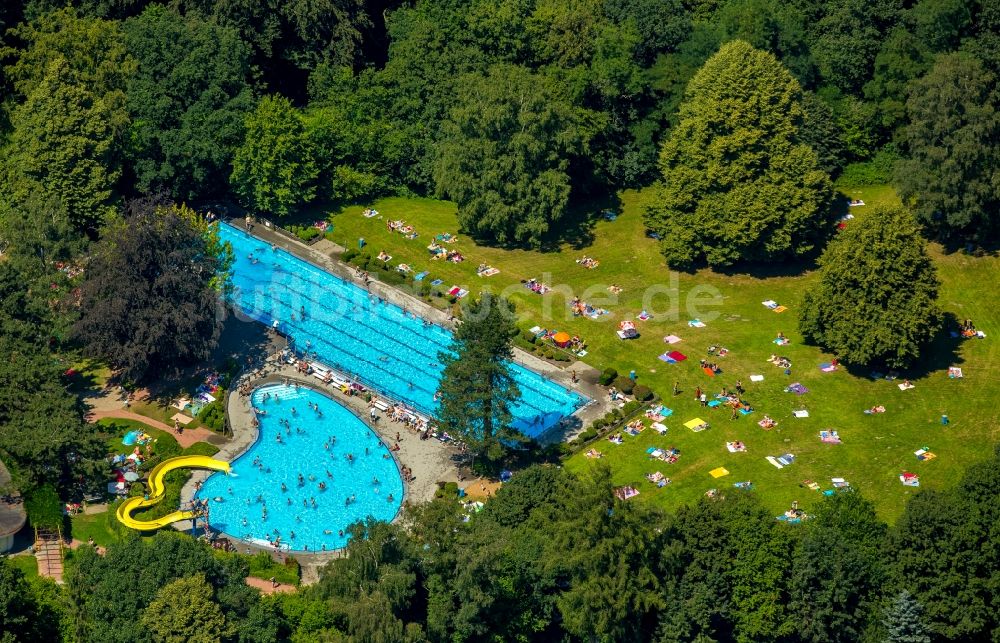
(374, 341)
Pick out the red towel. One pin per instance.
(677, 356)
(708, 371)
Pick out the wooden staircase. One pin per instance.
(49, 553)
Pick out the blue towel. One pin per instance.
(714, 403)
(745, 412)
(436, 282)
(420, 276)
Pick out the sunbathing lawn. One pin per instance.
(26, 563)
(875, 449)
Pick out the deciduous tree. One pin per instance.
(185, 611)
(875, 301)
(952, 143)
(274, 170)
(150, 300)
(188, 101)
(504, 155)
(739, 182)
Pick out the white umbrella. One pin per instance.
(131, 476)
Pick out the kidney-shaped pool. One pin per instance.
(314, 470)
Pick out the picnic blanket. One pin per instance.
(801, 413)
(905, 386)
(659, 427)
(731, 446)
(489, 272)
(955, 372)
(719, 472)
(671, 339)
(909, 479)
(756, 378)
(840, 483)
(827, 367)
(696, 424)
(796, 388)
(830, 437)
(181, 419)
(457, 292)
(924, 454)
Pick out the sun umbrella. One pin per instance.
(131, 476)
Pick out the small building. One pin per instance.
(12, 515)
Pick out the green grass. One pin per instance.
(875, 449)
(86, 526)
(26, 563)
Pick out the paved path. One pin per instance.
(185, 439)
(267, 587)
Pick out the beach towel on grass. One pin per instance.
(696, 424)
(420, 276)
(437, 282)
(708, 371)
(696, 323)
(770, 303)
(773, 460)
(719, 472)
(796, 388)
(671, 339)
(714, 403)
(677, 356)
(756, 378)
(827, 367)
(903, 386)
(659, 427)
(745, 411)
(801, 414)
(955, 372)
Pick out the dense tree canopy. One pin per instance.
(503, 157)
(875, 302)
(187, 100)
(952, 175)
(477, 389)
(274, 169)
(150, 299)
(739, 183)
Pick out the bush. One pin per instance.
(624, 384)
(588, 435)
(528, 336)
(213, 415)
(877, 171)
(642, 393)
(599, 424)
(392, 277)
(349, 255)
(608, 376)
(305, 233)
(44, 508)
(631, 406)
(447, 490)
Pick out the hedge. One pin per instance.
(608, 376)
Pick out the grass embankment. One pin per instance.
(875, 448)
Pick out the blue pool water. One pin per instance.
(305, 449)
(377, 342)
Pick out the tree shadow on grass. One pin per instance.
(576, 229)
(941, 354)
(240, 339)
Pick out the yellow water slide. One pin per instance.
(156, 489)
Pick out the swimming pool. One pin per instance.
(314, 445)
(379, 343)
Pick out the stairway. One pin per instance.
(49, 553)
